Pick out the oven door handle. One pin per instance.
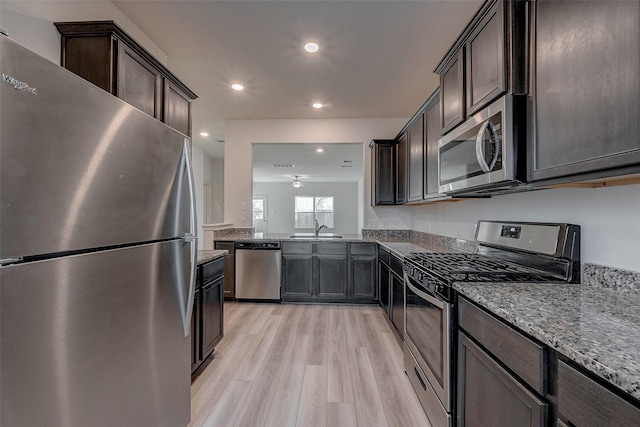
(433, 300)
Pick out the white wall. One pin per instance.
(609, 218)
(30, 23)
(240, 134)
(217, 190)
(281, 204)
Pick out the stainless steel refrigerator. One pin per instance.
(98, 254)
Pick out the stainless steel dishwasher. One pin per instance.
(258, 271)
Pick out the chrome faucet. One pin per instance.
(319, 227)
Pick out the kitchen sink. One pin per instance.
(314, 236)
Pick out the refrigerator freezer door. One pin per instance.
(96, 339)
(79, 168)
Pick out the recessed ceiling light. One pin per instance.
(316, 105)
(204, 134)
(237, 86)
(319, 150)
(311, 47)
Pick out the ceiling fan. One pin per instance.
(296, 182)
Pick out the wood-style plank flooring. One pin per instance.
(287, 365)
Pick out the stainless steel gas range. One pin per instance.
(507, 252)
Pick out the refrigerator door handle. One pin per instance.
(191, 237)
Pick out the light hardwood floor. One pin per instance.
(287, 365)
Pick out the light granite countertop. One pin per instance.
(210, 255)
(286, 237)
(402, 249)
(597, 328)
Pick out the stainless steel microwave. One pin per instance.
(481, 155)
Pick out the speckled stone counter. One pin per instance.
(596, 327)
(402, 249)
(206, 256)
(286, 237)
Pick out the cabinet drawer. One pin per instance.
(396, 265)
(363, 248)
(331, 248)
(523, 356)
(297, 248)
(211, 270)
(583, 402)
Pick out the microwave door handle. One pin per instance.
(486, 167)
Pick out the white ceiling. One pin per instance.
(337, 163)
(376, 58)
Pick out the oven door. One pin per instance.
(478, 153)
(428, 337)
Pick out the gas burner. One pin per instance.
(507, 252)
(456, 267)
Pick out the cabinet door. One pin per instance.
(452, 93)
(383, 173)
(363, 277)
(212, 296)
(416, 160)
(401, 169)
(177, 109)
(88, 57)
(485, 65)
(384, 289)
(229, 269)
(489, 396)
(296, 275)
(433, 131)
(586, 88)
(397, 303)
(585, 403)
(196, 357)
(139, 83)
(331, 276)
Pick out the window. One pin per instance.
(310, 209)
(258, 208)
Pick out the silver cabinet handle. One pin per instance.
(191, 238)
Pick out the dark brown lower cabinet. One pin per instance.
(488, 395)
(585, 403)
(207, 317)
(397, 294)
(212, 297)
(384, 286)
(195, 332)
(229, 269)
(335, 272)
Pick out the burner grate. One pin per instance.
(476, 268)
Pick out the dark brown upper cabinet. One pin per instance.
(485, 75)
(452, 97)
(139, 83)
(102, 53)
(401, 168)
(433, 130)
(486, 61)
(415, 144)
(383, 172)
(585, 95)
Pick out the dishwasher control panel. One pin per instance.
(258, 245)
